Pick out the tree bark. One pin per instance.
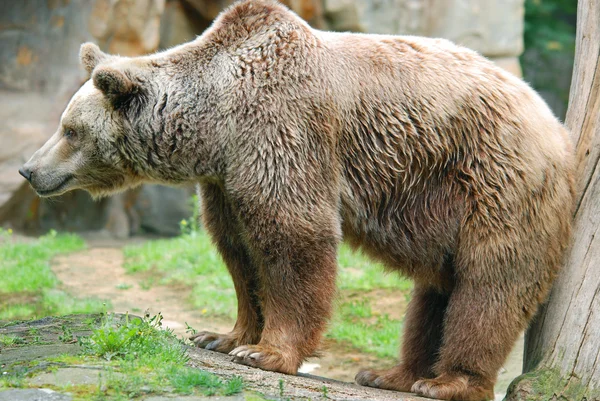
(562, 350)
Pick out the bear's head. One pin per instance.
(103, 141)
(86, 150)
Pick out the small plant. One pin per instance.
(234, 386)
(117, 338)
(9, 341)
(325, 392)
(185, 380)
(14, 379)
(281, 389)
(67, 335)
(190, 330)
(191, 226)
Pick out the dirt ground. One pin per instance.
(98, 272)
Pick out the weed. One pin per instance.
(113, 338)
(67, 335)
(234, 386)
(325, 392)
(186, 380)
(9, 341)
(11, 380)
(190, 330)
(281, 384)
(191, 226)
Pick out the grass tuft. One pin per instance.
(144, 358)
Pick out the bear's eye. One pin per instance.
(70, 134)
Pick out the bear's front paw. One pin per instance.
(215, 342)
(395, 378)
(265, 357)
(449, 387)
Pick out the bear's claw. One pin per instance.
(214, 342)
(265, 357)
(446, 387)
(367, 378)
(246, 355)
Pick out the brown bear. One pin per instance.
(422, 153)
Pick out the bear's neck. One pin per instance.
(177, 138)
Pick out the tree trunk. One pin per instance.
(562, 350)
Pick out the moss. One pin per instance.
(550, 384)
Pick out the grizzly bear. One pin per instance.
(420, 152)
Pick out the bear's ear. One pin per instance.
(90, 56)
(113, 82)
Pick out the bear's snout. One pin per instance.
(25, 172)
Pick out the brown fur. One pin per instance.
(420, 152)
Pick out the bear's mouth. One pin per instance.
(57, 189)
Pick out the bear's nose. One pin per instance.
(25, 172)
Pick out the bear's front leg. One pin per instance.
(222, 223)
(297, 269)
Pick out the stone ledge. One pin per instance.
(303, 386)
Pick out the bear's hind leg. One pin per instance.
(221, 222)
(486, 313)
(423, 327)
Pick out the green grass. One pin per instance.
(145, 358)
(29, 287)
(356, 324)
(358, 272)
(193, 261)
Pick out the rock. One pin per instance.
(38, 38)
(126, 27)
(493, 28)
(41, 394)
(510, 64)
(180, 23)
(40, 339)
(160, 209)
(389, 17)
(69, 377)
(302, 386)
(39, 70)
(239, 397)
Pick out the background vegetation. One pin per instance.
(549, 38)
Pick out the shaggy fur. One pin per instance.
(420, 152)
